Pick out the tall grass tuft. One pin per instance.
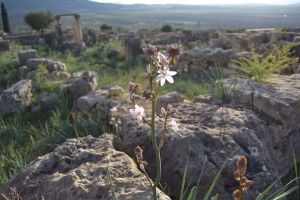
(220, 89)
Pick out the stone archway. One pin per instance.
(77, 32)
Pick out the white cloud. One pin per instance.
(200, 2)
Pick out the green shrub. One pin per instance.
(259, 68)
(104, 27)
(166, 28)
(39, 20)
(9, 73)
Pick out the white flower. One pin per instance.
(173, 125)
(138, 113)
(114, 109)
(161, 61)
(165, 74)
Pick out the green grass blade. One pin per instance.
(296, 172)
(215, 181)
(184, 179)
(281, 190)
(266, 191)
(283, 195)
(201, 174)
(192, 195)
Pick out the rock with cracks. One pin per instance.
(25, 55)
(16, 99)
(82, 169)
(212, 132)
(97, 101)
(279, 99)
(84, 83)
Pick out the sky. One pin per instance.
(200, 2)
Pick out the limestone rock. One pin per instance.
(50, 65)
(16, 99)
(25, 55)
(83, 84)
(24, 71)
(35, 63)
(198, 62)
(81, 169)
(203, 99)
(56, 75)
(170, 98)
(96, 101)
(297, 39)
(55, 66)
(223, 42)
(4, 45)
(258, 39)
(217, 132)
(115, 90)
(279, 100)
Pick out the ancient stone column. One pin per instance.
(132, 48)
(77, 33)
(58, 28)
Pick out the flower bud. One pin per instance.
(138, 151)
(173, 50)
(133, 88)
(148, 94)
(150, 50)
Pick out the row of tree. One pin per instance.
(36, 20)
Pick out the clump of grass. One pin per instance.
(220, 89)
(259, 68)
(192, 195)
(25, 136)
(43, 84)
(9, 67)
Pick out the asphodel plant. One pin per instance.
(159, 73)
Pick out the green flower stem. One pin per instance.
(157, 152)
(155, 147)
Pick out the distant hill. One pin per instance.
(181, 16)
(21, 7)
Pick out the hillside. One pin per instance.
(195, 17)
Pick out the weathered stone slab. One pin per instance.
(279, 99)
(17, 98)
(81, 169)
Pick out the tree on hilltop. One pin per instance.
(39, 20)
(5, 20)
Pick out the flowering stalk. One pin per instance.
(155, 147)
(162, 65)
(240, 177)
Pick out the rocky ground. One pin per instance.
(261, 123)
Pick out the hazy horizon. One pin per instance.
(201, 2)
